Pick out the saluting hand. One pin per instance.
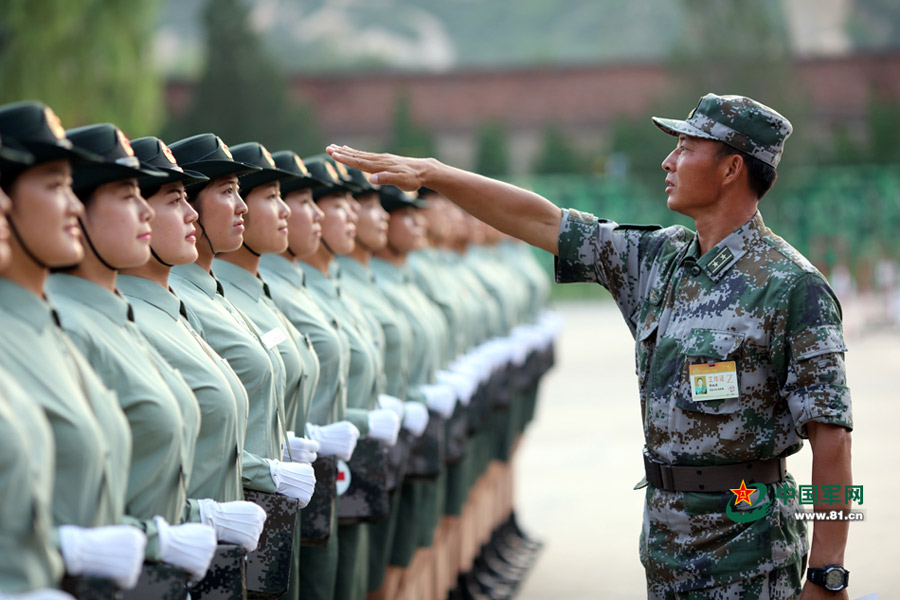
(408, 174)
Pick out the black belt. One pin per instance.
(713, 478)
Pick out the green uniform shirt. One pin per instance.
(520, 257)
(233, 336)
(329, 393)
(162, 318)
(751, 299)
(91, 436)
(251, 296)
(426, 321)
(362, 378)
(358, 281)
(163, 415)
(30, 560)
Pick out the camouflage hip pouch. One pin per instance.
(426, 456)
(398, 458)
(316, 517)
(90, 588)
(269, 568)
(365, 495)
(159, 581)
(457, 434)
(226, 578)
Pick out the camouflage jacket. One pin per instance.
(751, 299)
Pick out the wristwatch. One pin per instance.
(833, 578)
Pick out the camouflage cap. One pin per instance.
(738, 121)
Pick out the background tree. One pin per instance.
(242, 96)
(492, 149)
(89, 60)
(558, 155)
(409, 138)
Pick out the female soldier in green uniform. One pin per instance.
(338, 232)
(228, 330)
(423, 500)
(161, 411)
(32, 563)
(162, 318)
(266, 232)
(91, 437)
(328, 402)
(358, 280)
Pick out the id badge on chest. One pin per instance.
(713, 381)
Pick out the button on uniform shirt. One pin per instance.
(251, 296)
(285, 279)
(162, 318)
(30, 559)
(91, 436)
(233, 337)
(751, 299)
(362, 378)
(163, 415)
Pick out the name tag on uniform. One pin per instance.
(713, 381)
(273, 337)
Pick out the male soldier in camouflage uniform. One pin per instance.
(733, 299)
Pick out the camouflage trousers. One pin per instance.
(780, 584)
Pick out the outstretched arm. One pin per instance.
(512, 210)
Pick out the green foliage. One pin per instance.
(558, 155)
(874, 24)
(90, 60)
(409, 138)
(241, 95)
(492, 151)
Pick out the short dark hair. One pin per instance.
(760, 176)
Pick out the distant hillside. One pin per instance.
(436, 35)
(320, 35)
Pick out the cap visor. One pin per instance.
(677, 127)
(90, 175)
(11, 157)
(215, 169)
(45, 152)
(262, 177)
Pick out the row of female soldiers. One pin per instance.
(185, 324)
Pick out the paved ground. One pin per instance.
(581, 459)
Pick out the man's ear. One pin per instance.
(733, 168)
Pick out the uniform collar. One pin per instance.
(276, 265)
(726, 253)
(354, 269)
(152, 293)
(197, 275)
(389, 271)
(240, 278)
(316, 280)
(25, 306)
(91, 296)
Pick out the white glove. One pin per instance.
(384, 425)
(463, 385)
(292, 479)
(115, 552)
(440, 398)
(337, 439)
(235, 522)
(415, 418)
(302, 449)
(389, 402)
(190, 546)
(44, 594)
